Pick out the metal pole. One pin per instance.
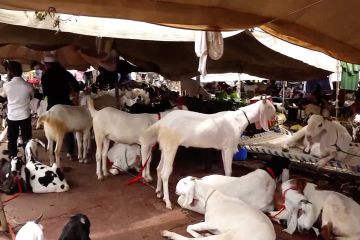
(337, 89)
(283, 98)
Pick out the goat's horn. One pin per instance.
(38, 219)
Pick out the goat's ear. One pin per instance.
(38, 219)
(41, 143)
(190, 194)
(292, 220)
(263, 118)
(325, 113)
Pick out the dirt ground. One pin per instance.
(119, 211)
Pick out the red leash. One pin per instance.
(283, 200)
(139, 176)
(16, 194)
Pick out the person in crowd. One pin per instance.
(355, 107)
(317, 98)
(18, 93)
(58, 86)
(106, 79)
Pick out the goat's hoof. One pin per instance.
(106, 174)
(165, 233)
(285, 149)
(148, 179)
(168, 204)
(306, 151)
(100, 177)
(85, 161)
(80, 160)
(159, 194)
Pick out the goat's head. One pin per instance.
(29, 230)
(8, 183)
(266, 112)
(306, 215)
(186, 187)
(315, 128)
(31, 148)
(16, 164)
(355, 130)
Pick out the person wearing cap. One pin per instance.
(19, 94)
(57, 84)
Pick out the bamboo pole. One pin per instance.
(3, 223)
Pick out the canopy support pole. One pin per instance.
(337, 89)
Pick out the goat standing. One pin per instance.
(121, 127)
(61, 119)
(190, 129)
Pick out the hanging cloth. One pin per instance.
(349, 76)
(208, 43)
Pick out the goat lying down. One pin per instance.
(225, 217)
(39, 177)
(61, 119)
(190, 129)
(124, 157)
(339, 214)
(118, 126)
(333, 139)
(255, 188)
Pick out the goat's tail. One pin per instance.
(150, 135)
(91, 106)
(43, 118)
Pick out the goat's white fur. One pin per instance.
(190, 129)
(30, 231)
(330, 135)
(118, 126)
(61, 119)
(225, 217)
(255, 188)
(342, 212)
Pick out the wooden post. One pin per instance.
(3, 222)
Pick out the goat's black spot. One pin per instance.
(62, 186)
(32, 177)
(60, 174)
(36, 168)
(42, 167)
(54, 183)
(47, 179)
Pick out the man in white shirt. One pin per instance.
(19, 94)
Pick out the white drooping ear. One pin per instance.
(189, 196)
(263, 118)
(41, 143)
(292, 220)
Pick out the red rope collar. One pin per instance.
(159, 116)
(271, 172)
(283, 207)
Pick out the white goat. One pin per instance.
(31, 230)
(124, 157)
(333, 139)
(190, 129)
(339, 214)
(255, 188)
(225, 217)
(118, 126)
(61, 119)
(355, 124)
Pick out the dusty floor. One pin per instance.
(116, 210)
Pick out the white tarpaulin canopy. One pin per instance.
(101, 27)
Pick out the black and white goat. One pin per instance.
(78, 228)
(40, 178)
